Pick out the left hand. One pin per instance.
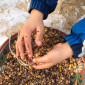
(60, 52)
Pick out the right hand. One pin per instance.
(34, 24)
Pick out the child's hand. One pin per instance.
(34, 24)
(58, 54)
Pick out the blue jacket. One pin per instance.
(77, 36)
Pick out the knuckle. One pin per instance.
(25, 36)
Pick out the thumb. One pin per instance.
(42, 59)
(39, 35)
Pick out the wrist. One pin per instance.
(68, 49)
(37, 14)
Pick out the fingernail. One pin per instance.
(34, 60)
(39, 43)
(29, 55)
(22, 58)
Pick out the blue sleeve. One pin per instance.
(76, 38)
(44, 6)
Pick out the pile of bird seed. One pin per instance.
(16, 74)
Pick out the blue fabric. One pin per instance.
(77, 49)
(79, 29)
(78, 33)
(72, 39)
(44, 6)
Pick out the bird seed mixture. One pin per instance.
(16, 74)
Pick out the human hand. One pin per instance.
(34, 24)
(57, 54)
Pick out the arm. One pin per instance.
(72, 47)
(76, 38)
(39, 9)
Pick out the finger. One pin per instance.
(40, 59)
(21, 48)
(27, 40)
(17, 50)
(39, 35)
(42, 66)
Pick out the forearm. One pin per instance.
(44, 6)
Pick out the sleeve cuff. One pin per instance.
(77, 49)
(76, 38)
(72, 39)
(75, 43)
(41, 6)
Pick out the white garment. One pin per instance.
(83, 50)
